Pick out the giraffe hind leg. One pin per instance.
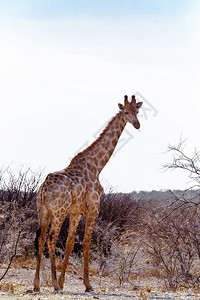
(38, 232)
(51, 242)
(73, 223)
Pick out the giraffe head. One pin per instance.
(130, 111)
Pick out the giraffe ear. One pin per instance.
(139, 104)
(120, 106)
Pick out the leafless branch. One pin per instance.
(14, 254)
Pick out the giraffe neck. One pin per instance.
(99, 152)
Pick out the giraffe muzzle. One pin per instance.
(136, 124)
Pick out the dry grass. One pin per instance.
(23, 262)
(7, 287)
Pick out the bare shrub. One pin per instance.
(18, 211)
(125, 263)
(173, 230)
(119, 213)
(171, 248)
(190, 164)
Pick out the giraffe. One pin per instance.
(76, 191)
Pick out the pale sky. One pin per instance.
(65, 66)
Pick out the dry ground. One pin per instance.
(18, 284)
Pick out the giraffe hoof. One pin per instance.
(89, 289)
(59, 291)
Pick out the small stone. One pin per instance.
(189, 292)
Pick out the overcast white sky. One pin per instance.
(65, 65)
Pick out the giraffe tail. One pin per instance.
(38, 232)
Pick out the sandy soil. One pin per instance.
(18, 284)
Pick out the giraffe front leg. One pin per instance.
(90, 221)
(73, 223)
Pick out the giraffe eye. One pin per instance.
(126, 112)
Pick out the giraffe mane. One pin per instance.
(98, 139)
